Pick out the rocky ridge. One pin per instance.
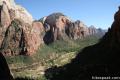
(59, 26)
(20, 34)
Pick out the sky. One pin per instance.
(99, 13)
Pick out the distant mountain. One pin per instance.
(101, 32)
(97, 31)
(58, 26)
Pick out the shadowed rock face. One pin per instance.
(14, 40)
(101, 59)
(112, 37)
(4, 70)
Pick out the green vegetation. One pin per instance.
(19, 59)
(73, 45)
(56, 54)
(28, 78)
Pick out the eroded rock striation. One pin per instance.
(55, 27)
(58, 26)
(19, 33)
(16, 11)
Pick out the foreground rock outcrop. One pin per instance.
(4, 69)
(19, 34)
(98, 61)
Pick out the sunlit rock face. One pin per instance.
(59, 26)
(78, 30)
(55, 24)
(10, 3)
(5, 20)
(19, 34)
(21, 38)
(18, 11)
(4, 15)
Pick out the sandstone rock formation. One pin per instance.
(57, 23)
(21, 13)
(92, 30)
(17, 11)
(78, 30)
(4, 20)
(10, 3)
(14, 39)
(42, 20)
(58, 26)
(4, 15)
(34, 37)
(19, 34)
(22, 38)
